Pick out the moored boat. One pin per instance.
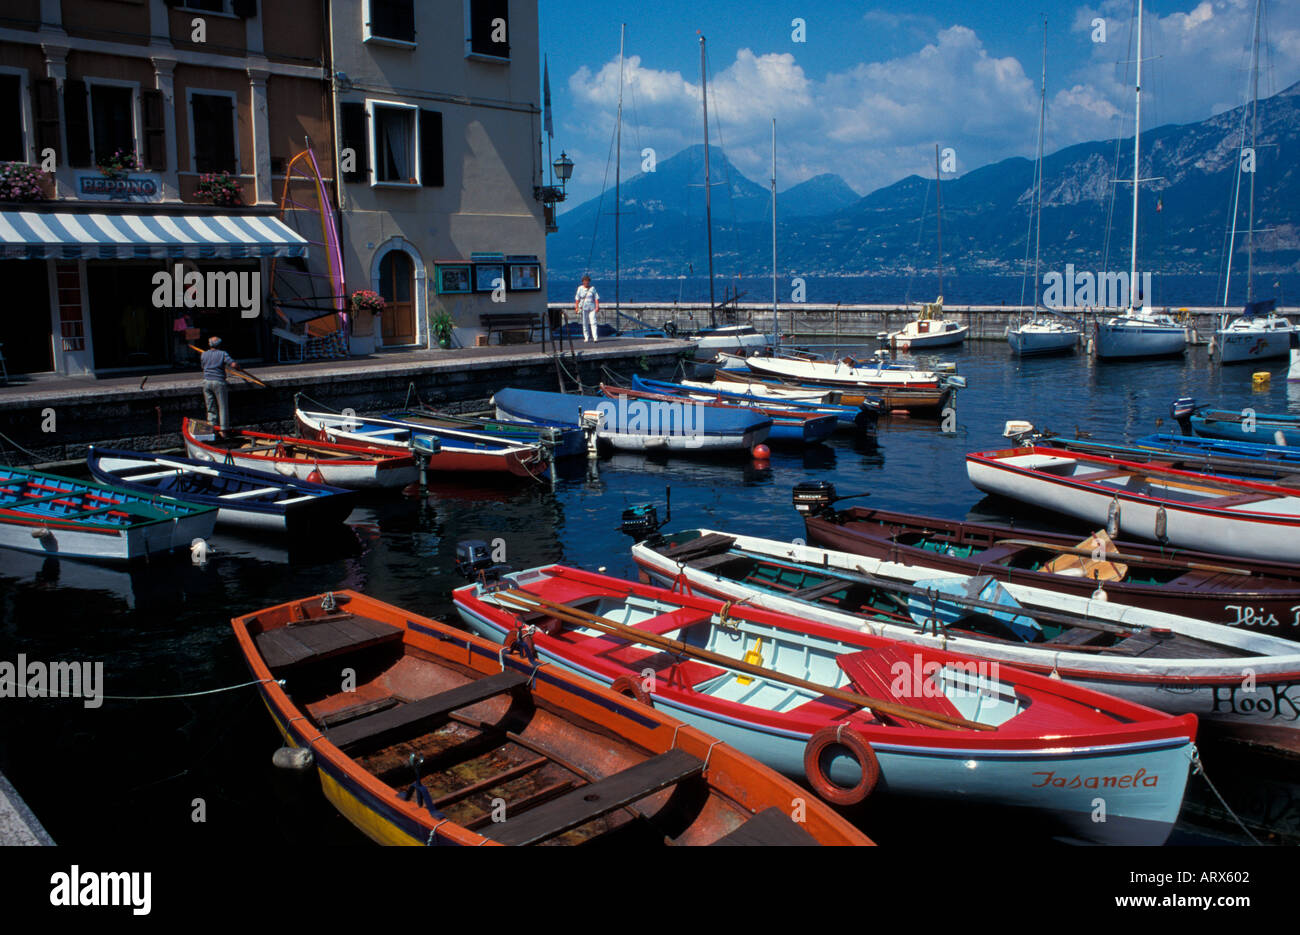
(1245, 684)
(788, 425)
(446, 739)
(919, 721)
(559, 441)
(855, 375)
(887, 398)
(254, 499)
(1241, 425)
(928, 329)
(62, 517)
(1268, 463)
(1042, 335)
(351, 466)
(862, 417)
(1259, 333)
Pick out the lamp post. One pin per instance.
(550, 195)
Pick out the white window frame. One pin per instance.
(134, 86)
(25, 108)
(368, 36)
(469, 40)
(375, 182)
(189, 123)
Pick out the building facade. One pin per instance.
(136, 107)
(438, 149)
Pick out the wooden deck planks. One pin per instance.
(318, 639)
(771, 827)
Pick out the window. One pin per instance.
(392, 20)
(212, 123)
(489, 28)
(207, 6)
(394, 146)
(12, 146)
(112, 120)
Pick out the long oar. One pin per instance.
(1131, 559)
(560, 611)
(241, 373)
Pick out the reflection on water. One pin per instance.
(164, 627)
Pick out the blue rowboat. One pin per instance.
(1238, 425)
(561, 441)
(788, 426)
(1202, 455)
(862, 417)
(921, 721)
(59, 516)
(640, 425)
(252, 499)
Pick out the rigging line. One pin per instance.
(731, 199)
(1119, 137)
(600, 204)
(916, 249)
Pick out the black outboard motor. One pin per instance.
(474, 560)
(1181, 412)
(812, 498)
(642, 521)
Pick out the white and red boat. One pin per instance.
(351, 466)
(792, 693)
(842, 373)
(458, 450)
(1205, 512)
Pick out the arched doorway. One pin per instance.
(397, 286)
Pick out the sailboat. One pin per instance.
(1141, 331)
(1259, 333)
(930, 328)
(718, 338)
(1044, 332)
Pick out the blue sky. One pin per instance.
(875, 85)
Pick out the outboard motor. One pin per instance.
(1181, 412)
(474, 560)
(812, 498)
(642, 521)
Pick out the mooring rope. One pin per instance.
(1199, 767)
(210, 691)
(34, 457)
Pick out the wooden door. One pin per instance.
(397, 286)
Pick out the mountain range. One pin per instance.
(825, 228)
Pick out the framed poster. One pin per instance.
(525, 277)
(486, 273)
(453, 278)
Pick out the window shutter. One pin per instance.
(45, 114)
(431, 167)
(223, 117)
(244, 9)
(155, 132)
(76, 123)
(353, 135)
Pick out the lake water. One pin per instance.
(164, 628)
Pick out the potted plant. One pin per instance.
(221, 188)
(117, 164)
(367, 307)
(442, 327)
(22, 182)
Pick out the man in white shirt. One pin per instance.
(586, 304)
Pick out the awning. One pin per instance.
(64, 235)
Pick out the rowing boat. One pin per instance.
(1243, 683)
(1178, 508)
(850, 375)
(887, 398)
(445, 739)
(862, 417)
(1267, 463)
(254, 499)
(61, 517)
(788, 425)
(1241, 425)
(459, 451)
(791, 692)
(559, 441)
(350, 466)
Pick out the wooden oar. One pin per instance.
(241, 373)
(532, 602)
(1131, 559)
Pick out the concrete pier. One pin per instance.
(18, 826)
(55, 417)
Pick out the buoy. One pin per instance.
(295, 759)
(755, 658)
(1100, 594)
(315, 477)
(762, 452)
(199, 550)
(1260, 380)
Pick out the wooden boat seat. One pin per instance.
(387, 726)
(589, 802)
(995, 554)
(679, 619)
(1077, 636)
(771, 827)
(872, 672)
(817, 592)
(322, 638)
(709, 562)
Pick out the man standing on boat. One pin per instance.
(216, 394)
(587, 306)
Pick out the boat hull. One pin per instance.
(1131, 342)
(1035, 343)
(1239, 347)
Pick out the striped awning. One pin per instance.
(64, 235)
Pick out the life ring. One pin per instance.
(626, 685)
(818, 776)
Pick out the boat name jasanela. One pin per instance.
(1129, 781)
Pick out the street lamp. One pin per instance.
(563, 168)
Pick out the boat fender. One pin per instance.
(294, 759)
(1112, 517)
(849, 739)
(626, 685)
(1162, 524)
(41, 532)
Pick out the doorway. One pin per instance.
(397, 286)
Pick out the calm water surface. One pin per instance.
(164, 628)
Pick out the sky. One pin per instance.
(872, 87)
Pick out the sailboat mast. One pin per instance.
(1254, 131)
(774, 321)
(618, 166)
(1038, 189)
(1137, 133)
(938, 193)
(708, 190)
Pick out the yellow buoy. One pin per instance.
(755, 658)
(1260, 380)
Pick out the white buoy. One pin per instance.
(199, 550)
(295, 759)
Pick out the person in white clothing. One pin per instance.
(586, 304)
